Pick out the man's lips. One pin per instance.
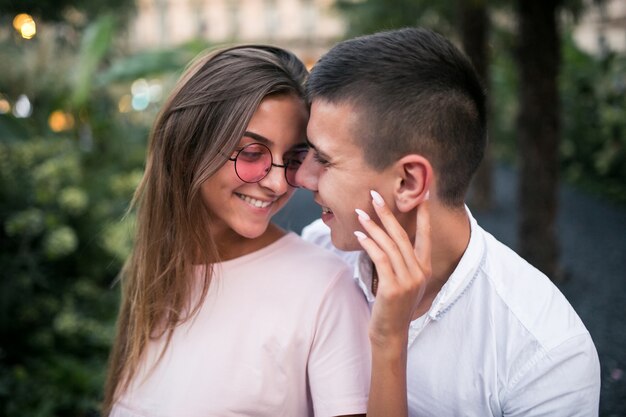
(325, 210)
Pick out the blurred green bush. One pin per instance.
(65, 186)
(593, 100)
(593, 93)
(57, 308)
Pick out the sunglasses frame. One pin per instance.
(304, 148)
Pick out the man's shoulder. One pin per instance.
(507, 269)
(530, 296)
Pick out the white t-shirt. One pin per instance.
(282, 332)
(499, 340)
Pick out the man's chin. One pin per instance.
(349, 244)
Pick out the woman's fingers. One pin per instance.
(395, 231)
(381, 250)
(399, 265)
(378, 256)
(408, 263)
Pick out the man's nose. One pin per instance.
(308, 173)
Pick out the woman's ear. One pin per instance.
(414, 174)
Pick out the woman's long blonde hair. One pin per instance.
(199, 126)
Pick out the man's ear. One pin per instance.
(413, 177)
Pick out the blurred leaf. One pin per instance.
(145, 64)
(28, 223)
(95, 43)
(60, 242)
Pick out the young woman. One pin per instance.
(223, 313)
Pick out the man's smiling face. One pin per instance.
(336, 172)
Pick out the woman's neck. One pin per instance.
(231, 245)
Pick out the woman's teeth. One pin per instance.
(254, 202)
(326, 210)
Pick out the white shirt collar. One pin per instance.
(464, 273)
(454, 288)
(364, 272)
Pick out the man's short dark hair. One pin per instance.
(415, 93)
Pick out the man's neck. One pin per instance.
(450, 235)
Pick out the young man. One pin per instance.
(460, 324)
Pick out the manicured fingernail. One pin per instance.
(427, 196)
(377, 198)
(360, 235)
(362, 215)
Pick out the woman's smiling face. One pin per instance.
(246, 208)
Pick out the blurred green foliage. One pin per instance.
(593, 92)
(593, 115)
(64, 193)
(57, 310)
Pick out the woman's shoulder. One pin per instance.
(293, 258)
(291, 261)
(302, 252)
(310, 269)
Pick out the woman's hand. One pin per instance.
(403, 269)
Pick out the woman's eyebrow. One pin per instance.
(258, 137)
(267, 141)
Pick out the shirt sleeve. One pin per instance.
(563, 381)
(339, 360)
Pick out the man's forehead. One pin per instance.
(331, 125)
(322, 105)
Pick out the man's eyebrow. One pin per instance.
(319, 152)
(309, 144)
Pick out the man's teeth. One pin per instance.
(254, 202)
(326, 210)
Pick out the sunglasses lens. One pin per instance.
(253, 162)
(293, 160)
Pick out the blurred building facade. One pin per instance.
(602, 27)
(308, 27)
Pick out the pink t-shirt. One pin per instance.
(282, 332)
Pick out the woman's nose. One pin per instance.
(275, 180)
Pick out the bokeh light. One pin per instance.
(25, 25)
(124, 105)
(20, 19)
(139, 86)
(22, 108)
(60, 121)
(143, 93)
(155, 91)
(5, 106)
(140, 102)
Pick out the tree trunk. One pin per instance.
(474, 19)
(539, 131)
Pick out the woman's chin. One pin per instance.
(253, 231)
